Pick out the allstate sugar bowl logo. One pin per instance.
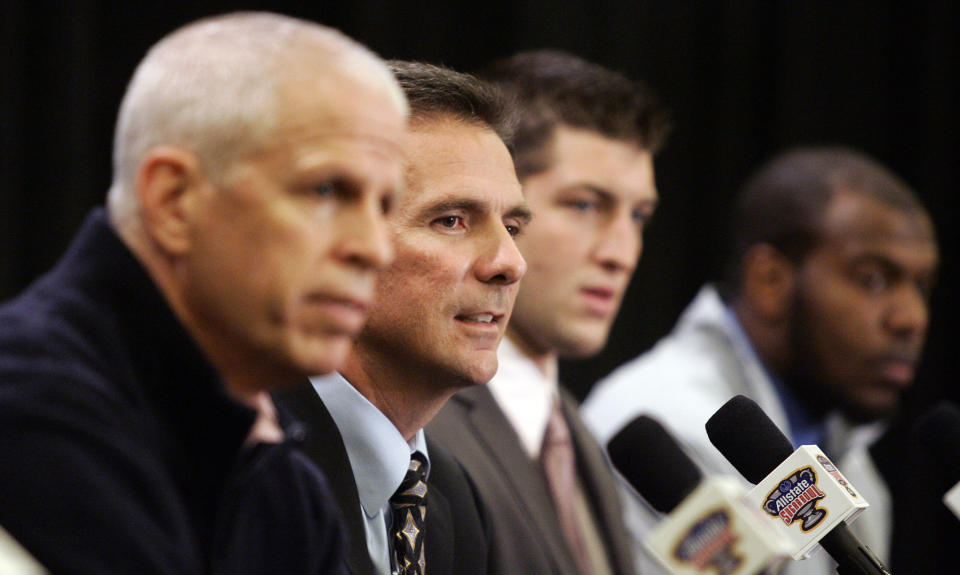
(796, 498)
(708, 544)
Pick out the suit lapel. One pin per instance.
(439, 536)
(324, 446)
(523, 475)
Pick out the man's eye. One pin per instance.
(326, 189)
(450, 222)
(514, 230)
(925, 287)
(581, 205)
(872, 280)
(640, 216)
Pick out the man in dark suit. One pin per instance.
(584, 155)
(440, 311)
(254, 154)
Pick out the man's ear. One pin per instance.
(168, 185)
(769, 279)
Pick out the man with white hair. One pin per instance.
(255, 159)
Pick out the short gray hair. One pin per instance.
(211, 87)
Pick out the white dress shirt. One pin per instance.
(379, 457)
(525, 395)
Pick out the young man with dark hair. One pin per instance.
(584, 150)
(821, 320)
(440, 311)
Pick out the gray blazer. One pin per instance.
(526, 534)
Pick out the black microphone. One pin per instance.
(709, 527)
(938, 433)
(746, 436)
(650, 459)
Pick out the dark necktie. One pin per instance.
(409, 505)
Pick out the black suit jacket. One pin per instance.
(925, 532)
(456, 540)
(120, 450)
(526, 532)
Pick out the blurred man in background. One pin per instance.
(821, 320)
(254, 159)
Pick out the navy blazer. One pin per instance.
(120, 450)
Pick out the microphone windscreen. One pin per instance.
(654, 464)
(746, 436)
(938, 431)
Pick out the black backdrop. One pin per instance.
(744, 79)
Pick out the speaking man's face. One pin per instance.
(442, 306)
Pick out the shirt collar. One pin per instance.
(524, 393)
(514, 364)
(379, 455)
(805, 429)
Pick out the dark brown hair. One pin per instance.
(553, 88)
(435, 91)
